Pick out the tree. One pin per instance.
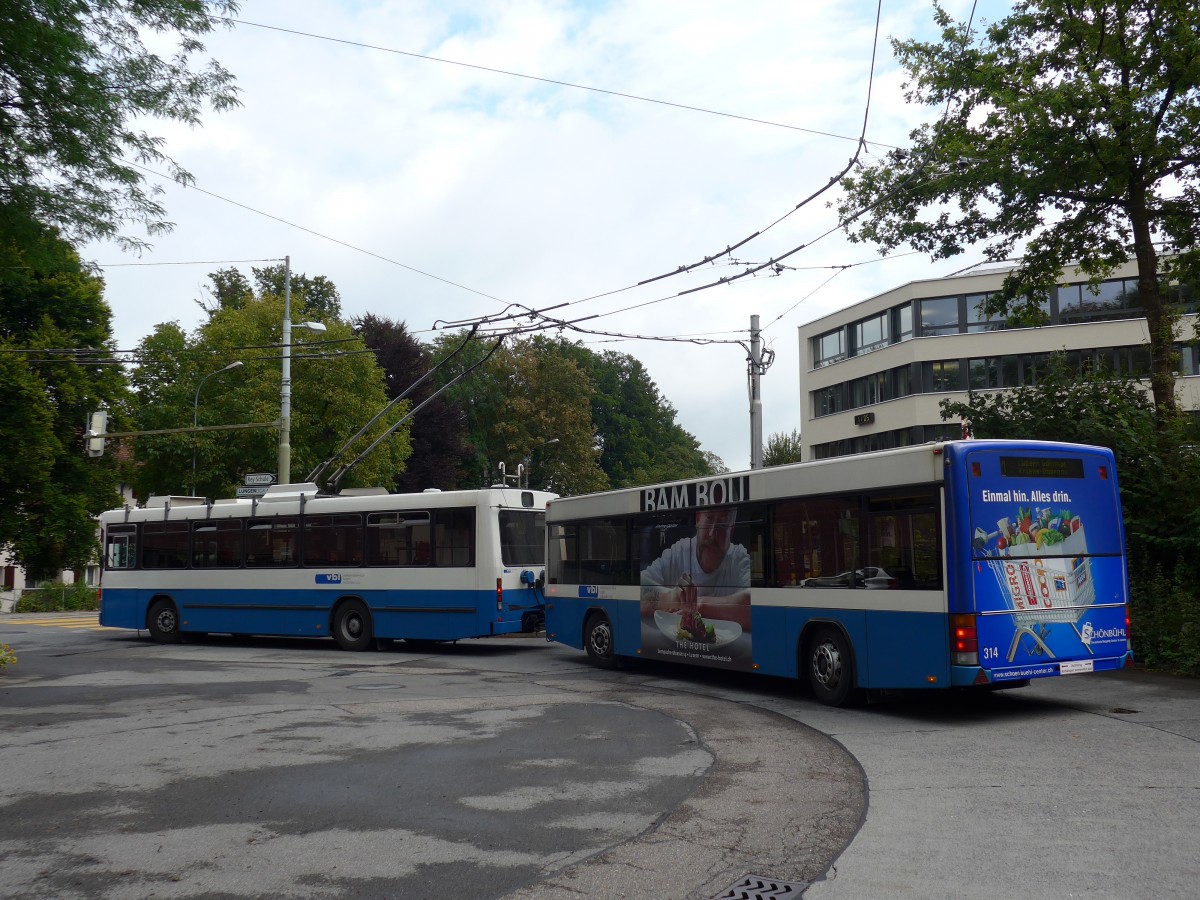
(518, 402)
(55, 369)
(76, 80)
(640, 441)
(1072, 127)
(782, 449)
(336, 389)
(318, 295)
(438, 431)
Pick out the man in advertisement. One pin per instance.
(706, 574)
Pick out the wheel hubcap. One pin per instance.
(353, 627)
(166, 621)
(601, 640)
(827, 664)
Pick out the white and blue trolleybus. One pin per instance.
(958, 564)
(432, 566)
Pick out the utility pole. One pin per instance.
(285, 397)
(756, 371)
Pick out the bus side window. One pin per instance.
(454, 537)
(603, 548)
(119, 547)
(272, 542)
(817, 542)
(165, 545)
(902, 540)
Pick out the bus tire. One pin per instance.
(162, 621)
(830, 666)
(352, 626)
(598, 641)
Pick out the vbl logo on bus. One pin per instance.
(329, 579)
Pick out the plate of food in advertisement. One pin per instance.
(690, 627)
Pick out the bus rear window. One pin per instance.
(522, 538)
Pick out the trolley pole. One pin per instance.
(756, 370)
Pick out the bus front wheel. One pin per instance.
(598, 641)
(352, 626)
(830, 667)
(162, 621)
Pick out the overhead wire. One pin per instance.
(860, 143)
(773, 263)
(557, 82)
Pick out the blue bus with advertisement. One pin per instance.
(961, 564)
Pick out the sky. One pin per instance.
(434, 193)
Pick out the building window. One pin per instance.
(1115, 298)
(942, 375)
(977, 319)
(992, 372)
(1189, 360)
(939, 315)
(871, 334)
(902, 323)
(1033, 367)
(829, 347)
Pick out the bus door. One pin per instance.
(1047, 561)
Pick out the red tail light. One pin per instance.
(499, 595)
(964, 640)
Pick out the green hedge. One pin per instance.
(58, 597)
(1164, 613)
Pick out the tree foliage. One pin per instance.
(50, 490)
(526, 406)
(76, 83)
(576, 420)
(438, 431)
(782, 449)
(317, 296)
(336, 389)
(640, 440)
(1072, 128)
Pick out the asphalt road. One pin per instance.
(491, 768)
(510, 768)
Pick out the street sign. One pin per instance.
(263, 478)
(252, 491)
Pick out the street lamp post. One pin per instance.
(236, 364)
(285, 398)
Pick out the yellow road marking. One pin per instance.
(76, 622)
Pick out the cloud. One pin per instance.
(542, 194)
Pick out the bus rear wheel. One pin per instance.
(830, 667)
(352, 626)
(162, 621)
(598, 641)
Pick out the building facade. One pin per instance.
(872, 375)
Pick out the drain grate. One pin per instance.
(755, 887)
